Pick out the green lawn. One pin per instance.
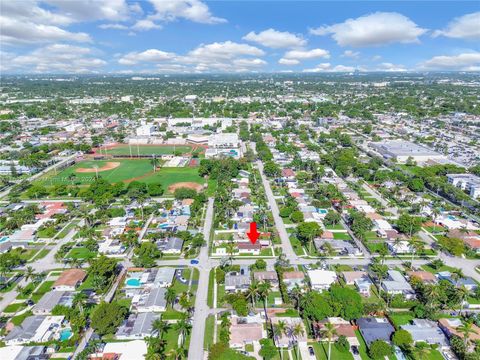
(13, 308)
(341, 236)
(17, 320)
(321, 352)
(401, 318)
(211, 283)
(208, 338)
(124, 149)
(363, 346)
(80, 253)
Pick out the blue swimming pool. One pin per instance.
(322, 211)
(133, 282)
(3, 239)
(65, 334)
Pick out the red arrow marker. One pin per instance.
(253, 234)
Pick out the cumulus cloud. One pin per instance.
(24, 22)
(145, 24)
(56, 58)
(389, 67)
(462, 62)
(113, 26)
(351, 54)
(375, 29)
(87, 10)
(284, 61)
(306, 54)
(193, 10)
(464, 27)
(222, 57)
(275, 39)
(150, 55)
(327, 67)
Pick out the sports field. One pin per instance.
(124, 150)
(121, 170)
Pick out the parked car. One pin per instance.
(194, 262)
(355, 350)
(311, 351)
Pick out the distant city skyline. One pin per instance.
(193, 36)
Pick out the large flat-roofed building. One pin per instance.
(400, 151)
(467, 182)
(223, 145)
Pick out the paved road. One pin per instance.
(468, 266)
(282, 231)
(44, 171)
(195, 351)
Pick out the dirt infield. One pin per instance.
(108, 166)
(189, 185)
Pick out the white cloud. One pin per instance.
(113, 26)
(215, 57)
(145, 24)
(56, 58)
(284, 61)
(464, 27)
(88, 10)
(193, 10)
(375, 29)
(24, 22)
(150, 55)
(460, 62)
(275, 39)
(307, 54)
(327, 67)
(389, 67)
(224, 50)
(351, 54)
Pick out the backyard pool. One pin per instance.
(133, 282)
(65, 334)
(322, 211)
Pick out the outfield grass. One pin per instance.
(139, 169)
(146, 150)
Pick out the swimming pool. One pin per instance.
(65, 334)
(133, 282)
(322, 211)
(3, 239)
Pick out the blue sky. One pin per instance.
(195, 36)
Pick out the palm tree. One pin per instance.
(263, 290)
(160, 327)
(296, 331)
(231, 247)
(463, 293)
(29, 273)
(183, 326)
(253, 292)
(178, 353)
(279, 330)
(329, 331)
(170, 295)
(80, 299)
(466, 329)
(296, 293)
(154, 161)
(432, 293)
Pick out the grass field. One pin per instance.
(146, 150)
(128, 170)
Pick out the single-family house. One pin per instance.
(321, 279)
(373, 328)
(137, 326)
(69, 280)
(423, 330)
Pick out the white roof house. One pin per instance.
(321, 279)
(129, 350)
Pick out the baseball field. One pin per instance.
(123, 170)
(134, 150)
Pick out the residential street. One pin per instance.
(282, 231)
(201, 308)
